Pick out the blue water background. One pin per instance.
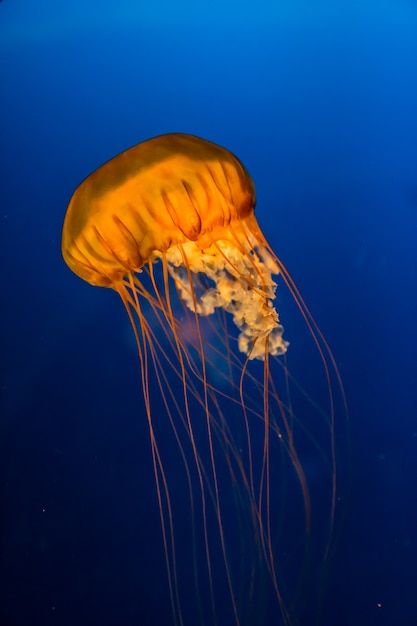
(319, 100)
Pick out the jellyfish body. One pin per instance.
(190, 203)
(169, 224)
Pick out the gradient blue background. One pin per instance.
(319, 100)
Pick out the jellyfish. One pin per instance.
(169, 225)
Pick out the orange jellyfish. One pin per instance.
(169, 224)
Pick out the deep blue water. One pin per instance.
(319, 100)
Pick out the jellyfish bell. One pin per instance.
(165, 191)
(169, 224)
